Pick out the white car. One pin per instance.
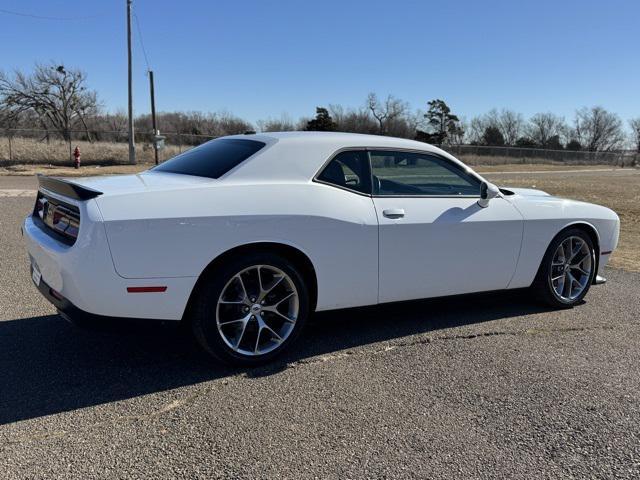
(245, 236)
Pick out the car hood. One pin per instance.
(141, 182)
(527, 192)
(538, 204)
(532, 196)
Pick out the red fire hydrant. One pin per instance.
(76, 155)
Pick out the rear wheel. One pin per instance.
(251, 309)
(567, 269)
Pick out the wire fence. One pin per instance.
(110, 147)
(478, 155)
(104, 147)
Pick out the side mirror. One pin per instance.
(487, 192)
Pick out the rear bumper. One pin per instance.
(65, 308)
(84, 276)
(73, 314)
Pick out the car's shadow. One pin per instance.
(49, 366)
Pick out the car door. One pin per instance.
(434, 238)
(346, 247)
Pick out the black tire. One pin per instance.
(204, 309)
(543, 287)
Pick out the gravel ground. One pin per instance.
(479, 386)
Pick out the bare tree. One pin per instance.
(57, 95)
(634, 123)
(414, 121)
(492, 119)
(193, 128)
(8, 120)
(117, 124)
(511, 125)
(475, 130)
(387, 112)
(282, 124)
(352, 120)
(543, 128)
(405, 126)
(461, 134)
(598, 130)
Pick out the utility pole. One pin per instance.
(132, 145)
(153, 116)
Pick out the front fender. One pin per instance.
(545, 217)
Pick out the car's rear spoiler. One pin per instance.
(66, 188)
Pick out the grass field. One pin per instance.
(84, 171)
(56, 152)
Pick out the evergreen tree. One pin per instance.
(492, 137)
(322, 123)
(442, 122)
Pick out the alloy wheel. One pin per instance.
(257, 310)
(571, 267)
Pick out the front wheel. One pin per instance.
(251, 309)
(567, 269)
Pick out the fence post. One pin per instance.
(10, 146)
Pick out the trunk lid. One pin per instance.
(141, 182)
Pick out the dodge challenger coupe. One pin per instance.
(245, 236)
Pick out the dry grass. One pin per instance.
(487, 160)
(56, 152)
(619, 190)
(486, 169)
(84, 171)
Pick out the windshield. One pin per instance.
(212, 159)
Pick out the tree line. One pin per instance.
(57, 101)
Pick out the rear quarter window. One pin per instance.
(212, 159)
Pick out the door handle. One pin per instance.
(393, 212)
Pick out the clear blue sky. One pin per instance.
(260, 59)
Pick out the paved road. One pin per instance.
(476, 387)
(16, 182)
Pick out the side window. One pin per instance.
(349, 170)
(408, 173)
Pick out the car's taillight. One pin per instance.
(64, 221)
(40, 204)
(62, 218)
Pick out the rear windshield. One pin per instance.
(212, 159)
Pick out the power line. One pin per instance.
(43, 17)
(144, 51)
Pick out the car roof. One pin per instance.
(297, 156)
(336, 138)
